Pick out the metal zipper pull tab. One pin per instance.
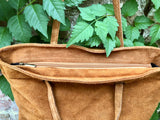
(24, 64)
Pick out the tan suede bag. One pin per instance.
(52, 82)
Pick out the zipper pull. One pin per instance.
(24, 64)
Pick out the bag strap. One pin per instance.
(117, 11)
(52, 103)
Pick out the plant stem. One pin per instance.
(25, 7)
(98, 19)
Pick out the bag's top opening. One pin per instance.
(140, 57)
(59, 53)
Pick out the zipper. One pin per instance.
(83, 65)
(24, 64)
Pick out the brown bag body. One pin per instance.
(84, 88)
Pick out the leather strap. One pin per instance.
(52, 103)
(117, 10)
(118, 100)
(55, 32)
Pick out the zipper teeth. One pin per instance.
(85, 65)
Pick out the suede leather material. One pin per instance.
(82, 94)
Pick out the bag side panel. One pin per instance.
(84, 102)
(140, 98)
(30, 95)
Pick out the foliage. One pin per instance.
(105, 26)
(156, 114)
(95, 24)
(129, 8)
(29, 21)
(5, 87)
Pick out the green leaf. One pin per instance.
(132, 33)
(109, 9)
(37, 18)
(128, 43)
(156, 3)
(112, 26)
(157, 15)
(16, 4)
(55, 9)
(49, 32)
(93, 41)
(118, 42)
(129, 8)
(101, 30)
(90, 13)
(36, 39)
(20, 30)
(142, 22)
(5, 87)
(71, 3)
(156, 114)
(6, 11)
(82, 31)
(155, 33)
(136, 43)
(124, 23)
(67, 26)
(79, 19)
(141, 39)
(5, 37)
(109, 45)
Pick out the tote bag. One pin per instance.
(52, 82)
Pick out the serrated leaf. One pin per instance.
(5, 37)
(5, 87)
(71, 3)
(156, 114)
(6, 11)
(142, 22)
(101, 30)
(157, 15)
(136, 43)
(16, 4)
(156, 3)
(129, 8)
(93, 41)
(55, 9)
(82, 31)
(109, 45)
(20, 30)
(132, 33)
(109, 9)
(128, 43)
(90, 13)
(49, 32)
(37, 18)
(124, 23)
(155, 33)
(67, 26)
(112, 26)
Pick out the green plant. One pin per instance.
(27, 21)
(156, 114)
(99, 27)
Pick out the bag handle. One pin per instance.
(117, 11)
